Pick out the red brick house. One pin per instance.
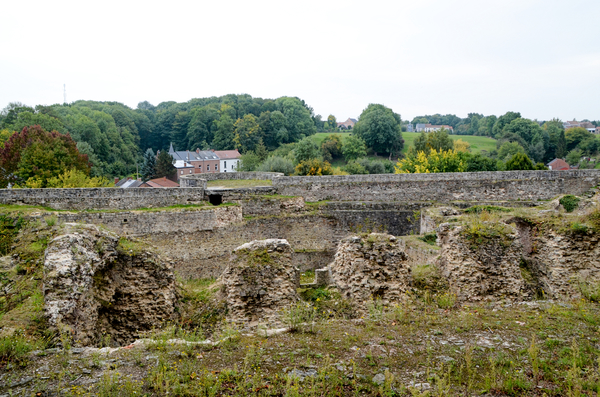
(160, 182)
(558, 165)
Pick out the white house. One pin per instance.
(229, 160)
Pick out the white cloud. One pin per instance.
(537, 57)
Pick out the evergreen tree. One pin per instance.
(164, 164)
(149, 166)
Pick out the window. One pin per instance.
(190, 171)
(225, 164)
(181, 172)
(208, 167)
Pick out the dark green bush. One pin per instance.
(9, 227)
(569, 202)
(429, 238)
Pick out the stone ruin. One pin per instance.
(93, 289)
(259, 282)
(371, 267)
(481, 267)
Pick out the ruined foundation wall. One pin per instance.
(102, 198)
(143, 223)
(442, 187)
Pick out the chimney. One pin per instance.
(198, 150)
(116, 180)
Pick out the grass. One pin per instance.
(238, 183)
(478, 143)
(319, 137)
(469, 349)
(129, 247)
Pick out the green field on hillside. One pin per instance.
(478, 143)
(319, 137)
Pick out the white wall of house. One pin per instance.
(229, 165)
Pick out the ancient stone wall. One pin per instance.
(138, 223)
(102, 198)
(483, 265)
(199, 180)
(465, 186)
(92, 289)
(312, 260)
(364, 217)
(560, 265)
(444, 187)
(206, 253)
(371, 267)
(259, 282)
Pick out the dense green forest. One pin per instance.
(115, 136)
(272, 134)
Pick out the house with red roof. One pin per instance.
(160, 182)
(229, 159)
(558, 165)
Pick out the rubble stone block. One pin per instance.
(260, 282)
(371, 267)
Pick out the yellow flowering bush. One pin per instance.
(436, 161)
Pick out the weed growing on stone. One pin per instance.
(569, 202)
(446, 300)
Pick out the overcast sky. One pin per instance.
(539, 57)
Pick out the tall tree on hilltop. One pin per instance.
(164, 165)
(379, 127)
(247, 133)
(332, 122)
(503, 121)
(149, 166)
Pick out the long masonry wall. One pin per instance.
(140, 223)
(444, 187)
(407, 188)
(102, 198)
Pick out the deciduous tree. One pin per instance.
(354, 148)
(379, 127)
(36, 153)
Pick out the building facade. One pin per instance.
(229, 160)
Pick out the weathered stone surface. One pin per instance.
(91, 289)
(259, 282)
(137, 223)
(560, 264)
(481, 269)
(374, 266)
(441, 187)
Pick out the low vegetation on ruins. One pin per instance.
(266, 293)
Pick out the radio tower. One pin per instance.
(65, 93)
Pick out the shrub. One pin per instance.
(297, 314)
(429, 238)
(590, 290)
(519, 161)
(354, 168)
(428, 277)
(14, 349)
(446, 301)
(374, 166)
(569, 202)
(277, 164)
(314, 167)
(306, 150)
(249, 162)
(9, 227)
(477, 209)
